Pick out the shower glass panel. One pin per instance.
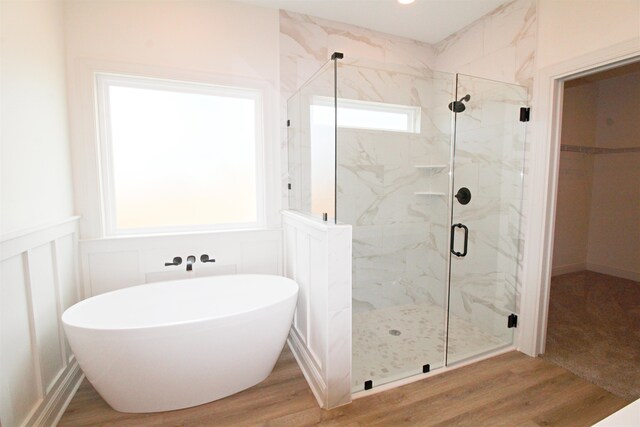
(488, 163)
(393, 157)
(311, 145)
(427, 169)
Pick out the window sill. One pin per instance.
(198, 233)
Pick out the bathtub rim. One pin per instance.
(192, 321)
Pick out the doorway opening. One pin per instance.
(593, 315)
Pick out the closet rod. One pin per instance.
(598, 150)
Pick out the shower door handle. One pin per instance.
(466, 239)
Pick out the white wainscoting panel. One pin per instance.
(44, 296)
(39, 281)
(108, 271)
(21, 385)
(115, 263)
(318, 258)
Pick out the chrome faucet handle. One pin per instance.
(176, 261)
(205, 258)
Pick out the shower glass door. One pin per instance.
(486, 214)
(394, 143)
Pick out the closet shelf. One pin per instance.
(428, 193)
(434, 167)
(597, 150)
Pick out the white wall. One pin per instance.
(614, 222)
(575, 180)
(598, 204)
(572, 28)
(579, 112)
(573, 36)
(571, 239)
(221, 42)
(38, 234)
(112, 264)
(35, 174)
(499, 46)
(597, 212)
(617, 120)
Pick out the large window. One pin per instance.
(178, 156)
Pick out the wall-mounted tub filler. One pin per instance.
(205, 258)
(191, 259)
(182, 343)
(176, 261)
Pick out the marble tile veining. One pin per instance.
(400, 239)
(306, 43)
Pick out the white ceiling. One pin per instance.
(426, 20)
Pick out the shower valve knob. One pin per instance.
(205, 258)
(463, 195)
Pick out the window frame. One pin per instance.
(103, 81)
(413, 113)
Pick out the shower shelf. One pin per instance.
(428, 193)
(433, 167)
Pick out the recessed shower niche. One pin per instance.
(426, 167)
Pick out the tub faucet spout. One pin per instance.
(190, 261)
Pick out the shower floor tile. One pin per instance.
(395, 342)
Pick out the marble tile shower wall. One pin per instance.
(306, 43)
(500, 46)
(399, 237)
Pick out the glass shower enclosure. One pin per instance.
(427, 169)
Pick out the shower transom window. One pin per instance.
(178, 156)
(355, 114)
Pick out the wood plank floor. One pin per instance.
(507, 390)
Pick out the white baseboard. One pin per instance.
(569, 268)
(308, 368)
(56, 401)
(612, 271)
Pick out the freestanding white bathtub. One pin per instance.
(177, 344)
